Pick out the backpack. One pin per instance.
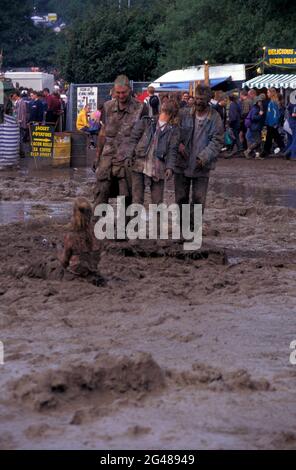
(248, 120)
(154, 103)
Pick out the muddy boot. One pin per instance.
(97, 280)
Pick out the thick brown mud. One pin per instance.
(176, 350)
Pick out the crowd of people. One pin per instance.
(176, 136)
(146, 143)
(43, 107)
(181, 136)
(89, 123)
(138, 147)
(257, 123)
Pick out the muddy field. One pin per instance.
(175, 352)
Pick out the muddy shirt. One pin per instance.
(116, 132)
(203, 140)
(118, 127)
(154, 167)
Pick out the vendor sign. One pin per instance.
(280, 56)
(41, 140)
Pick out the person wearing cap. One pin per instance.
(113, 168)
(254, 123)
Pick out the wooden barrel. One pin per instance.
(78, 149)
(61, 149)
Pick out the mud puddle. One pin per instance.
(177, 350)
(270, 197)
(22, 211)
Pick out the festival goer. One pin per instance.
(54, 108)
(113, 169)
(153, 148)
(291, 150)
(20, 114)
(252, 95)
(234, 118)
(191, 101)
(184, 100)
(254, 123)
(152, 102)
(79, 257)
(216, 95)
(164, 98)
(272, 122)
(36, 109)
(83, 124)
(221, 108)
(245, 107)
(201, 142)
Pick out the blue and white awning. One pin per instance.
(184, 86)
(272, 81)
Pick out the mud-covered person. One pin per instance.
(201, 140)
(113, 171)
(80, 254)
(153, 150)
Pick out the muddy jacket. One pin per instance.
(256, 120)
(210, 142)
(141, 141)
(117, 130)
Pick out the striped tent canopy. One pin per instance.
(9, 142)
(272, 81)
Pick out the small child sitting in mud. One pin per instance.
(79, 257)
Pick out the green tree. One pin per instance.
(109, 43)
(223, 31)
(24, 44)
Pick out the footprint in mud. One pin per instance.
(137, 430)
(185, 338)
(84, 416)
(40, 430)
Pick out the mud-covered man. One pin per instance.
(201, 141)
(113, 168)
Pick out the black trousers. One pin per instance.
(272, 135)
(182, 192)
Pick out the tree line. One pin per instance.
(146, 40)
